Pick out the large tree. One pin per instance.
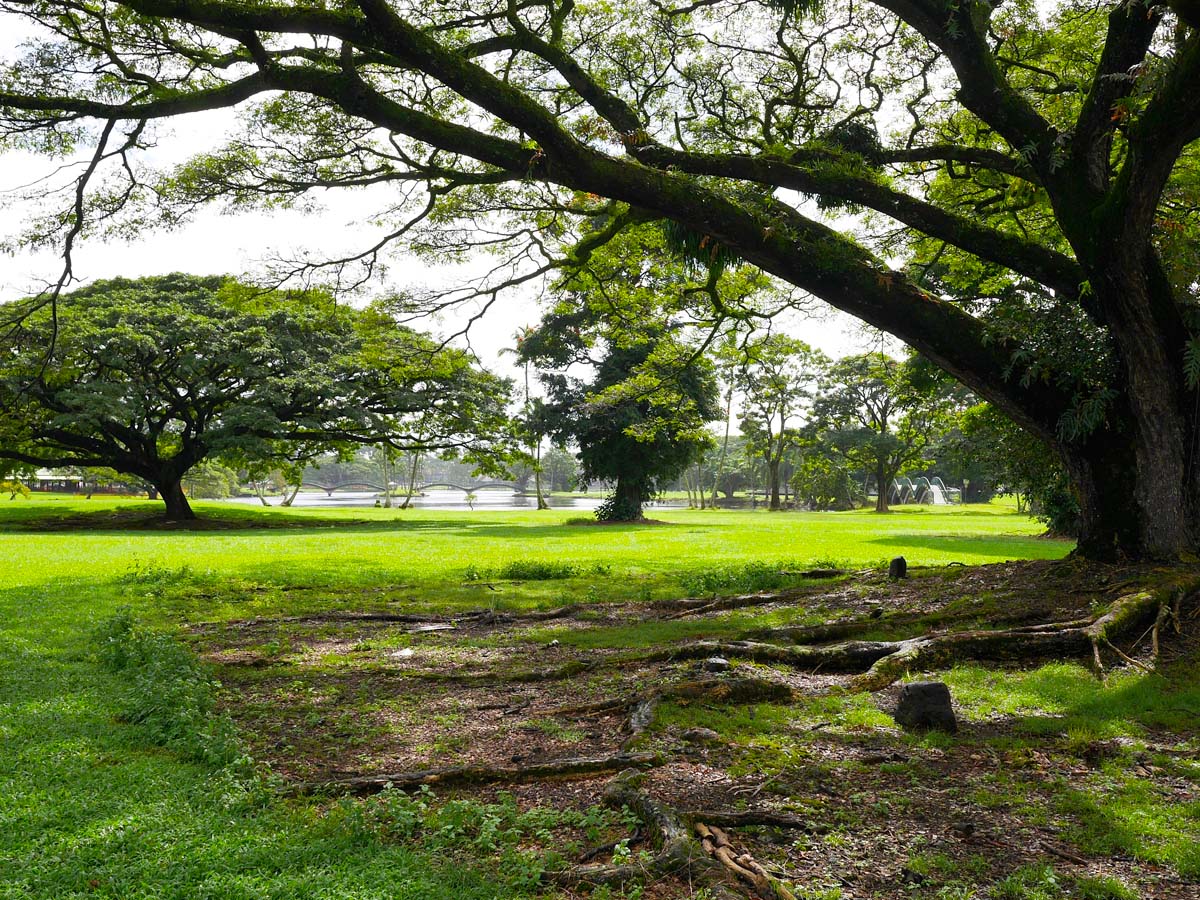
(154, 376)
(776, 376)
(639, 440)
(1038, 169)
(878, 415)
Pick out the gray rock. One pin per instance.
(926, 704)
(898, 568)
(701, 736)
(715, 664)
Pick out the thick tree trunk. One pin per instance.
(178, 508)
(773, 483)
(883, 485)
(628, 495)
(1164, 502)
(1136, 476)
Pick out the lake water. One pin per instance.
(446, 499)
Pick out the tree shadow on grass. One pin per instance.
(150, 518)
(996, 546)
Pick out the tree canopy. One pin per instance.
(151, 377)
(640, 419)
(877, 414)
(776, 375)
(1035, 168)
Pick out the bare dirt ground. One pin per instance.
(843, 803)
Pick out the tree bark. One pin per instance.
(629, 495)
(883, 484)
(178, 508)
(537, 477)
(773, 483)
(287, 501)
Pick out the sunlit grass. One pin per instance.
(389, 546)
(89, 807)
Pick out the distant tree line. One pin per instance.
(203, 386)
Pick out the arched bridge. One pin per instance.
(329, 489)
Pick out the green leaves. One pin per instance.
(699, 249)
(151, 377)
(1191, 363)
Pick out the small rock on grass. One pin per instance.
(926, 704)
(716, 664)
(701, 736)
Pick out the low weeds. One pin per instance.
(748, 577)
(169, 696)
(537, 570)
(522, 844)
(1042, 882)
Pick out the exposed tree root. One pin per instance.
(692, 606)
(754, 818)
(573, 767)
(850, 656)
(744, 867)
(878, 664)
(473, 616)
(720, 690)
(849, 628)
(676, 852)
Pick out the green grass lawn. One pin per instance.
(426, 545)
(90, 808)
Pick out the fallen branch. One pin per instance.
(1126, 614)
(573, 767)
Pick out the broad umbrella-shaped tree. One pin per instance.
(151, 377)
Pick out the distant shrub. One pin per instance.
(740, 578)
(170, 696)
(538, 570)
(475, 573)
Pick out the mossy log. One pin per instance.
(550, 770)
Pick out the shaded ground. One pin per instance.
(1055, 786)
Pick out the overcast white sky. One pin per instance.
(236, 244)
